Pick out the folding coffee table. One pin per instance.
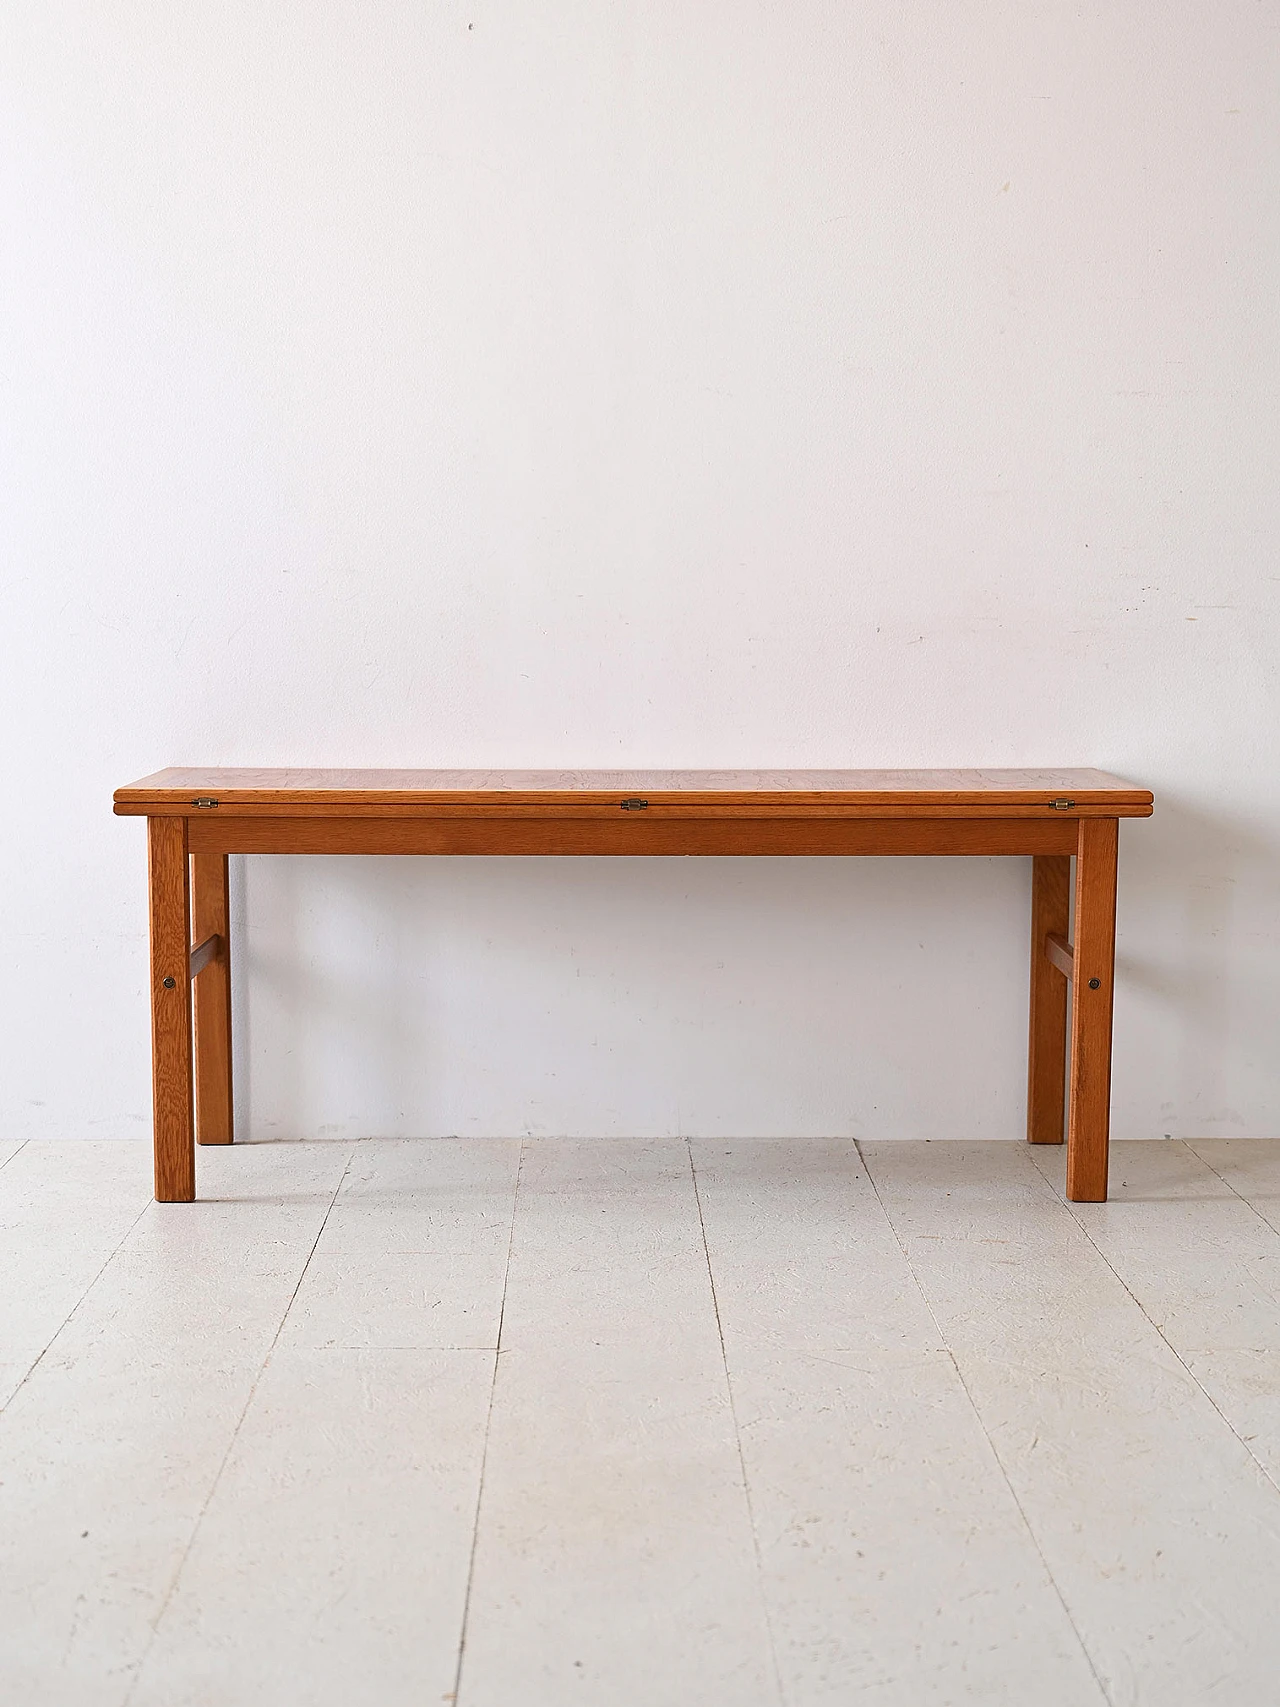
(196, 818)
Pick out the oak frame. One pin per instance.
(195, 820)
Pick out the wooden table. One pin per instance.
(195, 818)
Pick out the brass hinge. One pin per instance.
(634, 804)
(204, 800)
(1062, 804)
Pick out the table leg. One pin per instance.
(1091, 1004)
(171, 1010)
(1047, 1051)
(211, 996)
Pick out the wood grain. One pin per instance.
(171, 1063)
(1060, 954)
(1094, 951)
(212, 997)
(204, 953)
(634, 835)
(946, 793)
(1047, 1050)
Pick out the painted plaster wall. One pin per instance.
(544, 384)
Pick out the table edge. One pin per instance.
(1121, 803)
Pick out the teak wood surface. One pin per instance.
(698, 794)
(197, 817)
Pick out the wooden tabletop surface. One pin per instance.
(977, 791)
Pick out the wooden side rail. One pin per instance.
(209, 949)
(1061, 954)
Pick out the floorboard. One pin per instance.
(330, 1565)
(64, 1209)
(614, 1560)
(766, 1423)
(112, 1445)
(1158, 1527)
(898, 1568)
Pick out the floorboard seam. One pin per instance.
(1164, 1339)
(456, 1696)
(995, 1451)
(737, 1432)
(1204, 1160)
(106, 1263)
(235, 1435)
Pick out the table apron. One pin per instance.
(210, 832)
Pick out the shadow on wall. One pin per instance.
(871, 998)
(635, 996)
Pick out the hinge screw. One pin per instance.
(1095, 983)
(169, 983)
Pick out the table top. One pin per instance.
(950, 793)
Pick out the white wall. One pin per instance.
(545, 383)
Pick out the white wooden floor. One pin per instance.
(727, 1424)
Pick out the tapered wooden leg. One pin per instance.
(171, 1076)
(1091, 1003)
(211, 995)
(1047, 1052)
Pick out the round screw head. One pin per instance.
(169, 983)
(1095, 983)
